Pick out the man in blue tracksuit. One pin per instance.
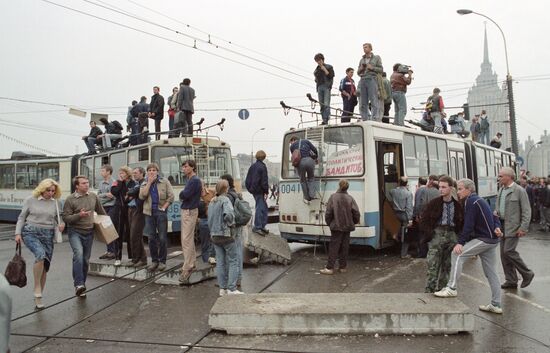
(257, 184)
(480, 236)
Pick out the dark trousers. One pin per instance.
(188, 123)
(157, 128)
(120, 215)
(512, 263)
(387, 107)
(349, 106)
(338, 249)
(137, 223)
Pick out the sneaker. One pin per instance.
(79, 291)
(118, 263)
(104, 256)
(110, 256)
(223, 292)
(265, 231)
(162, 267)
(491, 308)
(234, 292)
(446, 293)
(306, 201)
(184, 277)
(327, 271)
(153, 266)
(212, 260)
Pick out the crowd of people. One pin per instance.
(180, 109)
(450, 223)
(136, 200)
(375, 94)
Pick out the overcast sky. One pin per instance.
(51, 54)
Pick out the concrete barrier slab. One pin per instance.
(340, 313)
(106, 268)
(270, 248)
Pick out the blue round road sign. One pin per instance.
(243, 114)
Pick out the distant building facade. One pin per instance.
(539, 155)
(488, 95)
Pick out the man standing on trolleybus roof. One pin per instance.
(324, 74)
(479, 237)
(369, 66)
(441, 221)
(399, 82)
(436, 107)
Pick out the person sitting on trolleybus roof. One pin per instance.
(306, 168)
(92, 137)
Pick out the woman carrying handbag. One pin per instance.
(36, 227)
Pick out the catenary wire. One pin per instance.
(175, 42)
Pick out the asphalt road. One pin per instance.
(127, 316)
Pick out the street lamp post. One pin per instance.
(529, 152)
(252, 151)
(511, 105)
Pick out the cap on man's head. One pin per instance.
(499, 134)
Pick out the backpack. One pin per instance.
(243, 212)
(118, 126)
(484, 124)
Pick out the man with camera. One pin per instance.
(400, 79)
(369, 66)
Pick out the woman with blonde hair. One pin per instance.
(36, 227)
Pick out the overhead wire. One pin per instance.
(217, 37)
(175, 42)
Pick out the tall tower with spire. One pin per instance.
(488, 94)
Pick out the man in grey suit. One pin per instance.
(184, 104)
(514, 211)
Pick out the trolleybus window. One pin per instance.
(117, 160)
(170, 159)
(437, 150)
(138, 158)
(217, 163)
(26, 176)
(48, 170)
(340, 152)
(7, 176)
(87, 168)
(481, 162)
(416, 155)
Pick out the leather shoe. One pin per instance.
(527, 280)
(508, 285)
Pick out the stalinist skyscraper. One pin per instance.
(490, 94)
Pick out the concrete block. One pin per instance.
(106, 268)
(340, 313)
(270, 248)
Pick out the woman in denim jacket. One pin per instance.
(221, 221)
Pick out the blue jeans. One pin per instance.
(260, 216)
(227, 265)
(156, 230)
(239, 246)
(483, 137)
(90, 143)
(207, 250)
(400, 102)
(368, 88)
(81, 243)
(324, 101)
(306, 171)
